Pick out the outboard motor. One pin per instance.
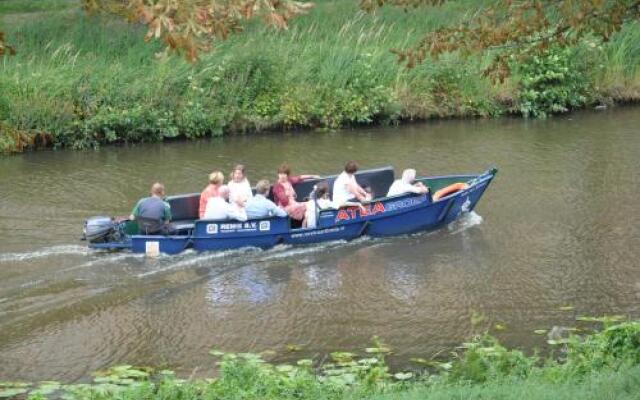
(99, 229)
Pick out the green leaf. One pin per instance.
(216, 353)
(540, 331)
(566, 308)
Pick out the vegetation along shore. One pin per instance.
(597, 365)
(79, 80)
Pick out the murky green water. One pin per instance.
(559, 226)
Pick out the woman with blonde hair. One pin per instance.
(216, 179)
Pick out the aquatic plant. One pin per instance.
(610, 358)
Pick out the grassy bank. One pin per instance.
(600, 365)
(81, 81)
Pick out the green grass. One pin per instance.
(80, 81)
(28, 6)
(619, 385)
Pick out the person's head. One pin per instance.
(237, 174)
(284, 171)
(351, 167)
(223, 191)
(322, 190)
(216, 178)
(157, 189)
(262, 187)
(409, 175)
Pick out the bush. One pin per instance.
(551, 83)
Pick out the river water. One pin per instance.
(558, 227)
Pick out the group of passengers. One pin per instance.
(236, 200)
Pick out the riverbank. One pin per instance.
(80, 81)
(605, 364)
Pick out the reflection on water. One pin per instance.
(558, 227)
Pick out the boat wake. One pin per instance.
(61, 250)
(466, 221)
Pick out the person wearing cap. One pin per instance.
(152, 213)
(216, 179)
(407, 184)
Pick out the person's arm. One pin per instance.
(357, 191)
(135, 212)
(280, 196)
(167, 212)
(236, 213)
(203, 205)
(421, 187)
(276, 211)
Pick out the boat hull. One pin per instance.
(389, 216)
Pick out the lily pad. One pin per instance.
(540, 331)
(284, 368)
(403, 376)
(10, 392)
(566, 308)
(305, 362)
(294, 347)
(554, 342)
(377, 350)
(216, 353)
(500, 327)
(12, 385)
(342, 356)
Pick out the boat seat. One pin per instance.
(379, 179)
(184, 207)
(182, 225)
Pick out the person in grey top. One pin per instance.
(259, 206)
(152, 213)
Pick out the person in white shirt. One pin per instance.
(346, 188)
(219, 209)
(319, 202)
(407, 184)
(239, 185)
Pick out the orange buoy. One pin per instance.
(447, 190)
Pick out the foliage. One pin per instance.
(519, 29)
(551, 82)
(482, 368)
(81, 81)
(484, 359)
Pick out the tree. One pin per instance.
(519, 29)
(192, 26)
(507, 28)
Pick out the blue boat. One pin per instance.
(453, 196)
